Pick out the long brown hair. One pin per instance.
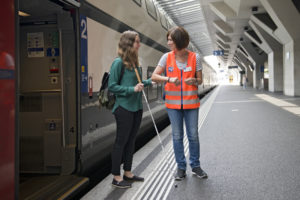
(126, 50)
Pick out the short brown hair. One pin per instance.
(179, 36)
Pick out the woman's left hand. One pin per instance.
(190, 81)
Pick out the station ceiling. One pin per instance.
(214, 24)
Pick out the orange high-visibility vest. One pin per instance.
(182, 96)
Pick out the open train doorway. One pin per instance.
(47, 96)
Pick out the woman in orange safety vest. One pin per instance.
(183, 74)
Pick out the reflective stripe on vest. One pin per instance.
(182, 96)
(184, 93)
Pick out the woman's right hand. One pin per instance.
(174, 80)
(139, 87)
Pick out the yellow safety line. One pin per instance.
(73, 189)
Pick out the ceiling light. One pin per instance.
(23, 14)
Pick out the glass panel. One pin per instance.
(151, 9)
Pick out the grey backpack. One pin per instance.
(106, 98)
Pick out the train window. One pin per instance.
(151, 9)
(152, 91)
(138, 2)
(163, 21)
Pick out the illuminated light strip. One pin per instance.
(292, 108)
(23, 14)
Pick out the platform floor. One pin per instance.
(250, 148)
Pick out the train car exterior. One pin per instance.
(143, 17)
(104, 21)
(209, 78)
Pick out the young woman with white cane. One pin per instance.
(128, 107)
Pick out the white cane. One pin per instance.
(161, 144)
(139, 79)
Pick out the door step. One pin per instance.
(52, 187)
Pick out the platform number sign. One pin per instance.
(83, 26)
(83, 54)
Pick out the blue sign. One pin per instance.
(7, 74)
(262, 68)
(83, 54)
(218, 53)
(52, 52)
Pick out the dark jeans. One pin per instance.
(128, 124)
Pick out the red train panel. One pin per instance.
(7, 100)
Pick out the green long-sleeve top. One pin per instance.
(124, 92)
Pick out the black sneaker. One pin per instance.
(121, 184)
(199, 172)
(180, 174)
(134, 178)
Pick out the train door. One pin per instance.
(47, 118)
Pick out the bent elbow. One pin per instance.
(154, 78)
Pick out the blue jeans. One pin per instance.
(190, 116)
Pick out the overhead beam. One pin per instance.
(223, 27)
(222, 37)
(222, 10)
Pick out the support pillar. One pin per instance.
(275, 61)
(259, 60)
(246, 64)
(286, 17)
